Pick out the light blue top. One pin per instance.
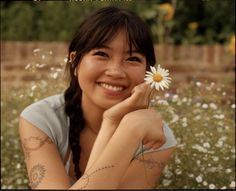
(49, 116)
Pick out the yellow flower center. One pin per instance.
(157, 77)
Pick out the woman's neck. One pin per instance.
(92, 115)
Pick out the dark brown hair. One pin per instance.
(96, 30)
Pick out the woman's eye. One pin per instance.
(100, 53)
(134, 59)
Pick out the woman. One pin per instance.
(91, 136)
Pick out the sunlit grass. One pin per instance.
(201, 114)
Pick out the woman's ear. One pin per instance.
(72, 56)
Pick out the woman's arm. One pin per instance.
(145, 170)
(139, 99)
(109, 168)
(46, 169)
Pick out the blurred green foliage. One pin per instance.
(58, 20)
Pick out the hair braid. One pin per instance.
(74, 111)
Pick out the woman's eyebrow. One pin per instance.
(130, 52)
(103, 46)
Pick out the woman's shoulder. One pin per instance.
(52, 102)
(49, 116)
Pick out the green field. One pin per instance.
(201, 114)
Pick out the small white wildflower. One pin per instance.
(27, 66)
(191, 175)
(205, 183)
(175, 97)
(215, 159)
(167, 95)
(178, 171)
(199, 148)
(206, 145)
(232, 184)
(33, 87)
(196, 118)
(36, 50)
(177, 160)
(199, 179)
(198, 104)
(65, 60)
(19, 181)
(233, 106)
(204, 106)
(40, 65)
(221, 116)
(18, 166)
(25, 181)
(213, 106)
(162, 102)
(227, 171)
(168, 174)
(55, 75)
(166, 182)
(198, 84)
(212, 186)
(224, 187)
(158, 78)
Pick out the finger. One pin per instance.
(149, 144)
(144, 142)
(143, 97)
(157, 145)
(153, 93)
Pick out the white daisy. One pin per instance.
(158, 77)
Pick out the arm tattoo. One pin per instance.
(36, 175)
(84, 180)
(33, 143)
(151, 163)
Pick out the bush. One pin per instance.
(56, 20)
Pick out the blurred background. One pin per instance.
(194, 39)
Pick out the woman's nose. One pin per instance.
(115, 71)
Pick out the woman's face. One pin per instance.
(108, 74)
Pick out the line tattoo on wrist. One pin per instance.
(151, 163)
(33, 143)
(84, 180)
(36, 175)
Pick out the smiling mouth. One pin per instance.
(114, 88)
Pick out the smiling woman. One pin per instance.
(100, 132)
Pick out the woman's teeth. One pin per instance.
(112, 87)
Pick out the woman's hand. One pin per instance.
(148, 124)
(139, 99)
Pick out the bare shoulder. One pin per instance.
(44, 164)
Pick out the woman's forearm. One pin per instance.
(111, 165)
(103, 137)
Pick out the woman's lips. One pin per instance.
(111, 89)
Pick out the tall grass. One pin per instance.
(201, 114)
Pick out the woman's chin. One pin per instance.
(108, 104)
